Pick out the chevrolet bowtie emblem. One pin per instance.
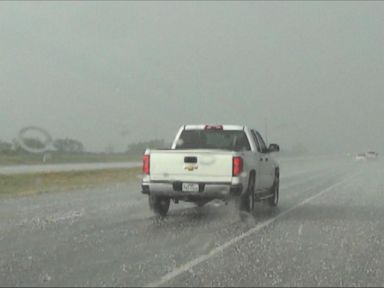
(190, 167)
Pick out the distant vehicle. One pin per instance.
(209, 162)
(360, 157)
(372, 155)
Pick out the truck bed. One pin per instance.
(191, 165)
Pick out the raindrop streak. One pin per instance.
(300, 231)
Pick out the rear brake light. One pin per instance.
(237, 165)
(213, 127)
(146, 167)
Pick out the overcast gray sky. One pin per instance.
(95, 70)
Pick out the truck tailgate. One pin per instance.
(191, 165)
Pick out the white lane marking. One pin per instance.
(189, 265)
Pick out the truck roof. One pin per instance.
(203, 126)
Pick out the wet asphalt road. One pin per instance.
(327, 231)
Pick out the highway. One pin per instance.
(328, 230)
(44, 168)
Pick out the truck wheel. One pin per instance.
(159, 205)
(274, 200)
(247, 199)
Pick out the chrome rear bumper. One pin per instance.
(206, 190)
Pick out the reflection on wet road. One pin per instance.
(327, 230)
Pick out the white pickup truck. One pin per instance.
(209, 162)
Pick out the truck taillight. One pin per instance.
(237, 165)
(146, 167)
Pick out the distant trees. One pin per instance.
(109, 149)
(16, 147)
(139, 147)
(5, 147)
(68, 145)
(31, 142)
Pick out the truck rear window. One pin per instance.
(233, 140)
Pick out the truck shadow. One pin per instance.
(191, 216)
(209, 214)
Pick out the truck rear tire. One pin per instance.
(159, 205)
(274, 200)
(247, 199)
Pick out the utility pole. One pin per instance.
(266, 131)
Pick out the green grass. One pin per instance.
(56, 158)
(36, 183)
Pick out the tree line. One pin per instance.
(64, 145)
(69, 145)
(139, 147)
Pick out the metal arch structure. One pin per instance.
(46, 143)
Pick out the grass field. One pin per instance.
(32, 184)
(56, 158)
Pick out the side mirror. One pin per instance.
(273, 148)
